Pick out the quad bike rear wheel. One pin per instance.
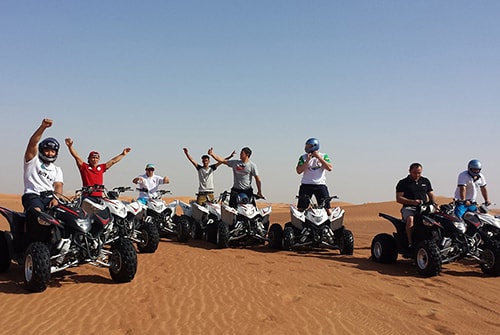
(275, 236)
(37, 267)
(149, 237)
(384, 249)
(5, 258)
(123, 261)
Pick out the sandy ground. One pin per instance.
(194, 288)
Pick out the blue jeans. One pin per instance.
(461, 209)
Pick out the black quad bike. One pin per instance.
(64, 236)
(439, 237)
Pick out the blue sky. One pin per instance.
(381, 84)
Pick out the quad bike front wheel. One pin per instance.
(222, 235)
(428, 258)
(183, 229)
(384, 249)
(275, 236)
(37, 267)
(196, 231)
(346, 242)
(123, 261)
(149, 237)
(490, 258)
(288, 238)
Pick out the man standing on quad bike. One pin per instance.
(411, 192)
(148, 183)
(205, 176)
(469, 183)
(41, 176)
(313, 165)
(243, 170)
(92, 172)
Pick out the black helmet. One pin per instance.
(48, 143)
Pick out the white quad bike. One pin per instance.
(203, 219)
(315, 228)
(126, 218)
(245, 224)
(164, 216)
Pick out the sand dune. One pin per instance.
(194, 288)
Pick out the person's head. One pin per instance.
(245, 153)
(312, 144)
(415, 171)
(150, 169)
(93, 158)
(48, 150)
(474, 167)
(205, 159)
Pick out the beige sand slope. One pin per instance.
(195, 288)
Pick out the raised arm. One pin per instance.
(72, 151)
(186, 152)
(118, 158)
(227, 158)
(218, 158)
(31, 149)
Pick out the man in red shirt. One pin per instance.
(92, 172)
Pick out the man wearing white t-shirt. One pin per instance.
(148, 183)
(41, 176)
(312, 165)
(470, 183)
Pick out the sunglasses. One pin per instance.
(150, 169)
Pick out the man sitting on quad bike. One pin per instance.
(411, 192)
(41, 178)
(148, 183)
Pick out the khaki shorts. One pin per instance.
(203, 197)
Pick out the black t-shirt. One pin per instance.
(414, 190)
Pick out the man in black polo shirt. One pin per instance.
(410, 192)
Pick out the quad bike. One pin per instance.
(245, 224)
(440, 237)
(126, 217)
(315, 228)
(490, 223)
(203, 219)
(64, 236)
(164, 216)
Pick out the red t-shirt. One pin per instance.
(92, 176)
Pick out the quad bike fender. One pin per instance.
(187, 209)
(297, 217)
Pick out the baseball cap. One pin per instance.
(94, 154)
(150, 166)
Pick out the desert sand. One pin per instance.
(194, 288)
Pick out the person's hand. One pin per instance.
(46, 123)
(69, 142)
(53, 202)
(487, 203)
(210, 151)
(233, 153)
(185, 150)
(126, 151)
(260, 196)
(315, 154)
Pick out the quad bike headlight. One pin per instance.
(43, 222)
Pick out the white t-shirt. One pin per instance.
(206, 178)
(40, 177)
(149, 183)
(315, 172)
(471, 187)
